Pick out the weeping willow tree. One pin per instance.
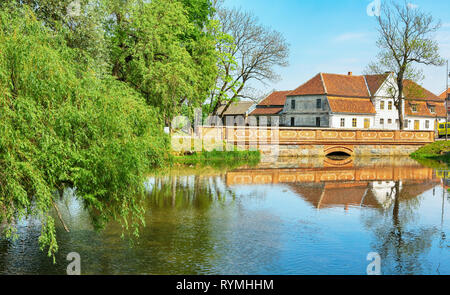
(62, 126)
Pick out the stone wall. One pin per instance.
(321, 150)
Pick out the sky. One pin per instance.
(336, 37)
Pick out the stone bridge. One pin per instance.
(287, 141)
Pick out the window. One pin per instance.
(292, 121)
(433, 109)
(293, 104)
(354, 122)
(382, 105)
(319, 103)
(381, 121)
(414, 108)
(427, 124)
(390, 106)
(390, 121)
(317, 122)
(342, 122)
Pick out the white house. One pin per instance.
(360, 102)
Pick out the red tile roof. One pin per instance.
(423, 109)
(276, 98)
(351, 105)
(314, 86)
(345, 85)
(266, 111)
(444, 94)
(374, 82)
(335, 85)
(416, 92)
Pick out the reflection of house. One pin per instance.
(237, 113)
(329, 195)
(360, 102)
(270, 107)
(371, 194)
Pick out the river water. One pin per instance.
(292, 216)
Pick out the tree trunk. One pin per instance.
(399, 103)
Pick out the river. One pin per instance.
(292, 216)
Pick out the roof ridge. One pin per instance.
(323, 83)
(344, 75)
(367, 85)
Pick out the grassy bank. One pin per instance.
(218, 159)
(439, 151)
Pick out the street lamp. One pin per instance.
(447, 74)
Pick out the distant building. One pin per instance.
(268, 111)
(237, 113)
(445, 94)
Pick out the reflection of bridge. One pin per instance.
(319, 175)
(331, 187)
(308, 141)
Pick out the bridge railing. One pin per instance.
(289, 135)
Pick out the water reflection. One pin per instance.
(295, 216)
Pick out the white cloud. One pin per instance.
(412, 6)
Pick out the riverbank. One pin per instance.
(218, 159)
(439, 151)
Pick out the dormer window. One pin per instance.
(432, 109)
(414, 108)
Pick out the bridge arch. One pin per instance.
(339, 150)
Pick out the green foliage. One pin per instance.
(221, 159)
(439, 150)
(159, 51)
(164, 49)
(81, 26)
(64, 127)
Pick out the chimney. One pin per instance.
(350, 73)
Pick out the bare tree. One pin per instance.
(405, 40)
(252, 54)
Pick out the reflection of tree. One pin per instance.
(399, 245)
(199, 226)
(194, 225)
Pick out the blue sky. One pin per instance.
(336, 37)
